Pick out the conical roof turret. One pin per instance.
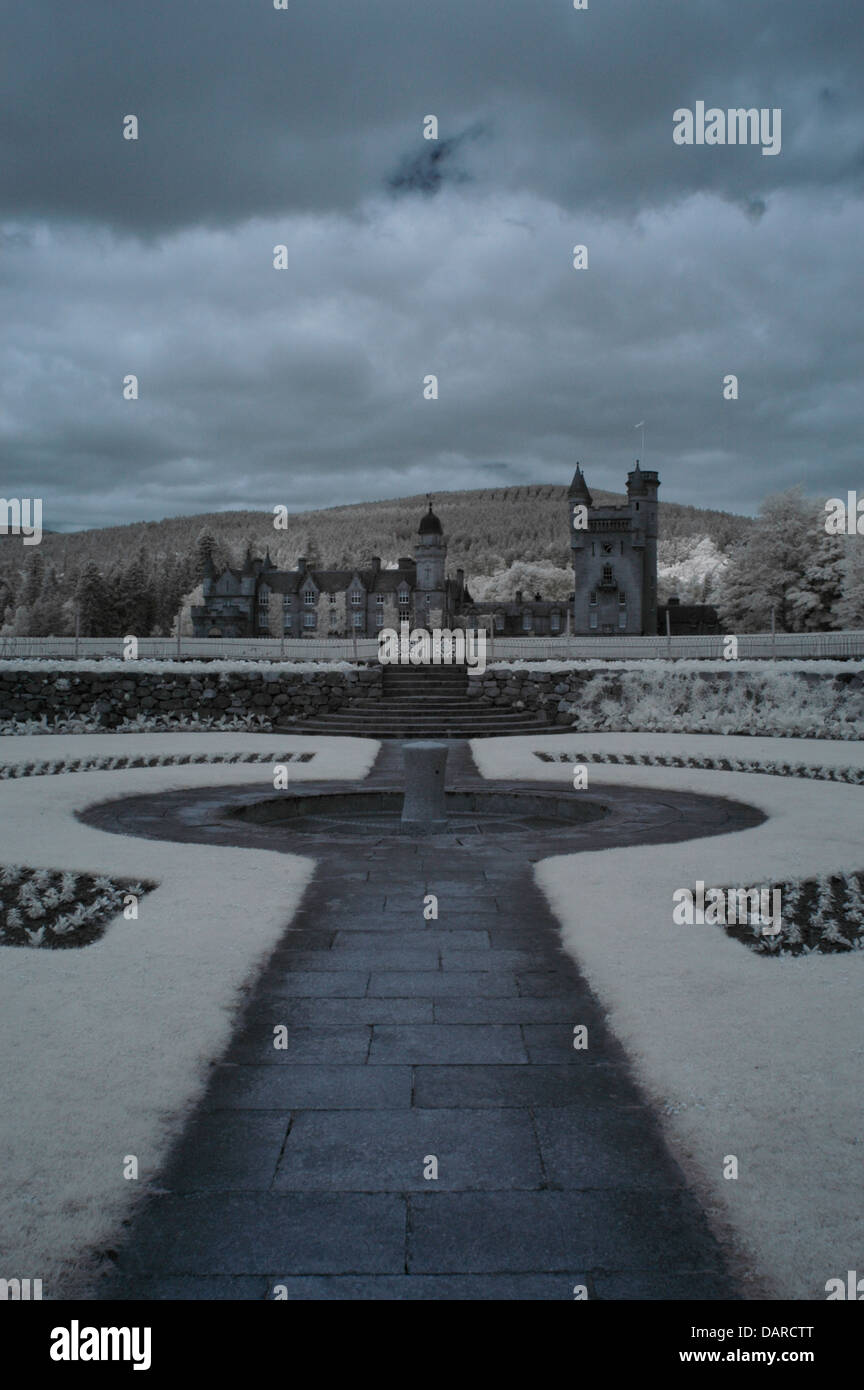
(579, 488)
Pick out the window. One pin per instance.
(499, 622)
(309, 597)
(379, 599)
(288, 622)
(526, 622)
(404, 600)
(308, 619)
(607, 574)
(593, 598)
(622, 617)
(637, 506)
(332, 598)
(356, 598)
(379, 619)
(622, 597)
(555, 622)
(358, 619)
(592, 621)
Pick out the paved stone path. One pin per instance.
(304, 1167)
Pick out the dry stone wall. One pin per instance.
(27, 694)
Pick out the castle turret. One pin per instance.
(430, 555)
(578, 490)
(642, 488)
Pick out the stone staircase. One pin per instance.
(421, 702)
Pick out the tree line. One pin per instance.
(134, 579)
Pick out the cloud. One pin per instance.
(304, 128)
(425, 170)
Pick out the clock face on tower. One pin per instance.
(607, 547)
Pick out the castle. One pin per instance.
(615, 557)
(615, 584)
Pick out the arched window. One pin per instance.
(607, 574)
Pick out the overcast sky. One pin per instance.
(408, 257)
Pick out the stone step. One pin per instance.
(323, 729)
(382, 720)
(419, 692)
(420, 702)
(424, 687)
(443, 717)
(401, 677)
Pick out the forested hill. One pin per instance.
(487, 530)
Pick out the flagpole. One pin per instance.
(641, 426)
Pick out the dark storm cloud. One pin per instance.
(426, 169)
(245, 110)
(304, 128)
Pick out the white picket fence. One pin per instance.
(753, 646)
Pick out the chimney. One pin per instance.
(518, 595)
(301, 563)
(376, 563)
(460, 578)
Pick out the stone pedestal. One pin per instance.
(423, 806)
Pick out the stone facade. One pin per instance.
(614, 571)
(615, 584)
(263, 601)
(615, 558)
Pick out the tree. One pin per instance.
(785, 562)
(205, 553)
(47, 616)
(172, 585)
(850, 608)
(134, 598)
(94, 609)
(34, 574)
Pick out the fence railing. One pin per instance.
(762, 646)
(757, 646)
(193, 648)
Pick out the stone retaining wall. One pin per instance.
(116, 695)
(758, 698)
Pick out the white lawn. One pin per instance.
(106, 1048)
(741, 1054)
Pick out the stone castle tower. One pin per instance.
(615, 558)
(430, 556)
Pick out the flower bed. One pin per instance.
(47, 908)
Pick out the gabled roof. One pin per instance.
(374, 581)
